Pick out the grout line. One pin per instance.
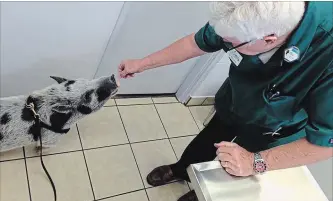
(203, 101)
(174, 152)
(26, 171)
(173, 149)
(159, 116)
(120, 194)
(136, 162)
(58, 153)
(152, 98)
(109, 106)
(85, 161)
(194, 119)
(167, 103)
(9, 160)
(128, 96)
(101, 147)
(134, 104)
(183, 136)
(150, 140)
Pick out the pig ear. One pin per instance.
(59, 79)
(61, 108)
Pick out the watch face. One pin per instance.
(260, 166)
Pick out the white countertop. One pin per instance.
(212, 183)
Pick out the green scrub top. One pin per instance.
(294, 98)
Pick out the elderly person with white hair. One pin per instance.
(278, 98)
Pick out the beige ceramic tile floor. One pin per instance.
(108, 155)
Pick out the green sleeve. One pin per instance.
(319, 130)
(207, 40)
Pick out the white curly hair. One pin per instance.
(248, 21)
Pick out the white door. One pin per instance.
(39, 39)
(146, 27)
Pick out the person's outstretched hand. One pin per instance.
(128, 68)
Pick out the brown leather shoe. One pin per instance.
(160, 176)
(190, 196)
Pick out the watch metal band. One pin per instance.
(257, 156)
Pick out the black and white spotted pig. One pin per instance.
(59, 106)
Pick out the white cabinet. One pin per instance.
(214, 79)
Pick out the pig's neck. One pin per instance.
(49, 117)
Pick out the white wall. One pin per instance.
(214, 79)
(39, 39)
(146, 27)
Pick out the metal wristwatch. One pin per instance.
(259, 164)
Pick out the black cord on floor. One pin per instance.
(45, 170)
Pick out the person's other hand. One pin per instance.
(235, 159)
(128, 68)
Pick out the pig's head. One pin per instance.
(66, 102)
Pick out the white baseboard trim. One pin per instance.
(197, 75)
(200, 101)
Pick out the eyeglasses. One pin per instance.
(230, 47)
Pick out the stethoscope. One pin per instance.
(242, 44)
